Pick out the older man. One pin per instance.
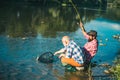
(73, 53)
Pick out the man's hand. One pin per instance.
(62, 55)
(80, 24)
(55, 53)
(82, 27)
(60, 51)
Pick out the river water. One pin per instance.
(26, 32)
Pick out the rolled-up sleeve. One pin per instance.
(86, 35)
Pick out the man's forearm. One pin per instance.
(60, 51)
(82, 28)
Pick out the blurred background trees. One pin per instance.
(81, 3)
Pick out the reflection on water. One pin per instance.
(28, 21)
(28, 31)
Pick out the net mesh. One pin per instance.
(46, 57)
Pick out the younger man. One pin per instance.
(90, 47)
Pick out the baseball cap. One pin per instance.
(92, 33)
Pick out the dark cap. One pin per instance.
(92, 33)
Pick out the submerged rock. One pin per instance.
(116, 36)
(101, 44)
(107, 71)
(105, 65)
(106, 39)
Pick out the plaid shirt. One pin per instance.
(75, 52)
(90, 48)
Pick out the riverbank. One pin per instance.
(114, 69)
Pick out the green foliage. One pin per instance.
(116, 69)
(114, 3)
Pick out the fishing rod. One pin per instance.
(75, 9)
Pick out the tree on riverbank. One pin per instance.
(113, 3)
